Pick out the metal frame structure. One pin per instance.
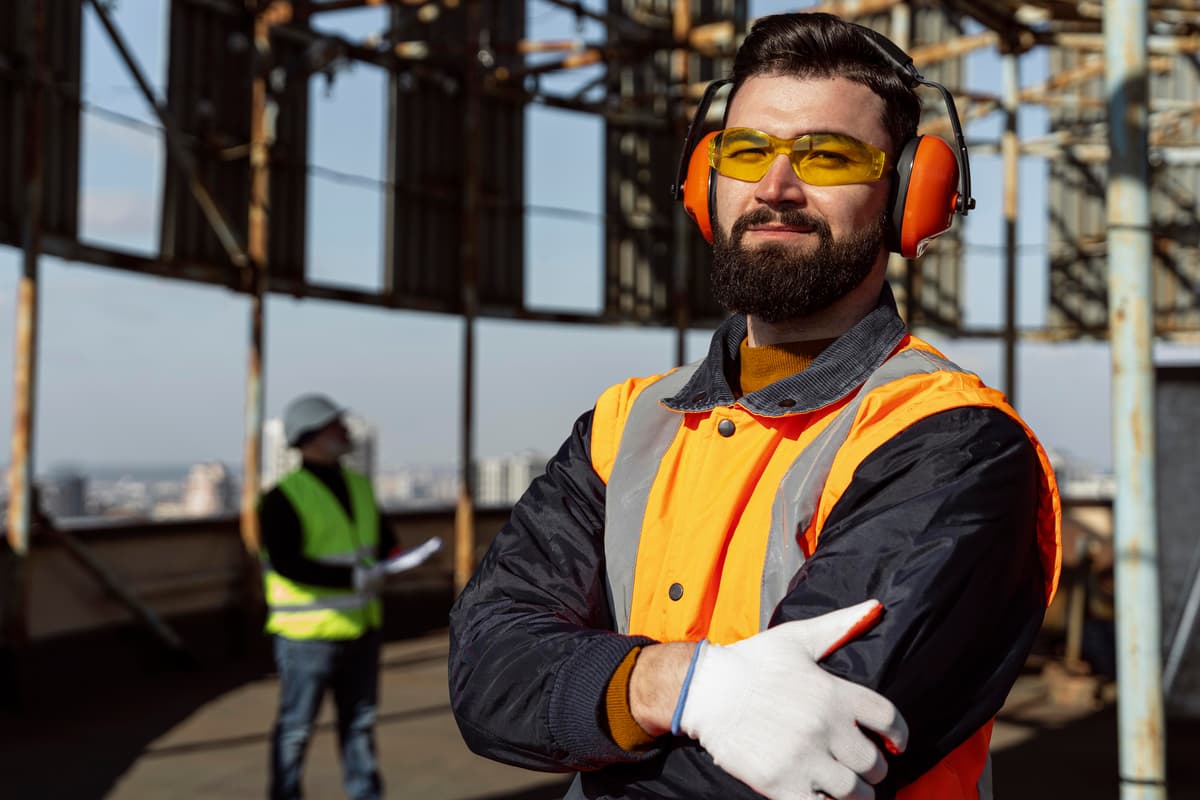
(658, 54)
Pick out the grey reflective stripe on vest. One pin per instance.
(649, 430)
(340, 602)
(800, 490)
(575, 790)
(984, 787)
(364, 555)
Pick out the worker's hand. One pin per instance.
(369, 579)
(771, 717)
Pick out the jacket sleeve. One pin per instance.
(532, 646)
(939, 524)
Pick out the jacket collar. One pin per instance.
(840, 368)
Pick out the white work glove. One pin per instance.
(369, 579)
(788, 729)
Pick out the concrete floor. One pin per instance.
(205, 733)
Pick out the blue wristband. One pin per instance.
(677, 717)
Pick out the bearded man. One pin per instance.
(810, 564)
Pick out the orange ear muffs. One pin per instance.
(699, 187)
(926, 195)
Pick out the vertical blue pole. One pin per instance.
(1131, 323)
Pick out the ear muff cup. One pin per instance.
(926, 195)
(699, 187)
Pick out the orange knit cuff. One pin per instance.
(622, 727)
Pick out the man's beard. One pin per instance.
(776, 283)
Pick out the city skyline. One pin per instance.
(212, 489)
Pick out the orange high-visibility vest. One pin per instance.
(752, 494)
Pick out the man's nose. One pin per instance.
(780, 186)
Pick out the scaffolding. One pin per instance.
(233, 209)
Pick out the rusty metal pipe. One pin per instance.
(1140, 720)
(21, 461)
(256, 240)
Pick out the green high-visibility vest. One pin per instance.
(302, 611)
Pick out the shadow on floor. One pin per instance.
(80, 710)
(1079, 759)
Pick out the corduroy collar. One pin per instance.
(840, 368)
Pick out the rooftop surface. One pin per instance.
(204, 733)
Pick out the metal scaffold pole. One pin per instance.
(1140, 717)
(682, 24)
(1010, 146)
(21, 462)
(14, 575)
(258, 226)
(464, 513)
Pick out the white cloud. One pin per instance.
(111, 212)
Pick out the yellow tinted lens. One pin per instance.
(819, 159)
(826, 159)
(742, 153)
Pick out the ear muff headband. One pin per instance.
(690, 146)
(903, 64)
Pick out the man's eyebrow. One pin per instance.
(838, 134)
(843, 134)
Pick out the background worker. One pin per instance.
(322, 551)
(684, 604)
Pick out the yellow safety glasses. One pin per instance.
(818, 159)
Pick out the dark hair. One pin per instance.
(819, 45)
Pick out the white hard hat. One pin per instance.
(308, 413)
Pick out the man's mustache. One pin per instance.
(791, 217)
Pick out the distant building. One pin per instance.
(491, 487)
(64, 494)
(278, 459)
(522, 470)
(502, 481)
(417, 486)
(208, 491)
(363, 437)
(396, 489)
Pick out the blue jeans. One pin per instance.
(307, 668)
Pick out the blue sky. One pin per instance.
(136, 369)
